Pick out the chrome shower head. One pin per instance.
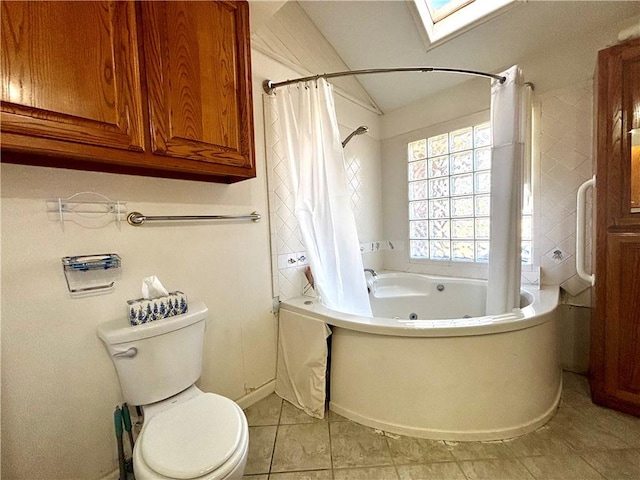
(358, 131)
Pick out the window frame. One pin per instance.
(436, 32)
(439, 14)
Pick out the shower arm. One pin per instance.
(269, 86)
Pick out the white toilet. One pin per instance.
(187, 433)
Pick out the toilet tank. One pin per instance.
(158, 359)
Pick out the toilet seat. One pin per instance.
(203, 437)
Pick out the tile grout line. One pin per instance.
(461, 469)
(393, 460)
(525, 467)
(605, 477)
(328, 413)
(275, 439)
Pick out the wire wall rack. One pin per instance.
(88, 209)
(91, 273)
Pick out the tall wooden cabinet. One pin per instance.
(157, 88)
(615, 328)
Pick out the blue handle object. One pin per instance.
(126, 417)
(117, 420)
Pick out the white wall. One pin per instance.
(59, 387)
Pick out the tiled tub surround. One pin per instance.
(565, 145)
(562, 161)
(582, 441)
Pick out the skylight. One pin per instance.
(439, 9)
(444, 19)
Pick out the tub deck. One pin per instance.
(543, 301)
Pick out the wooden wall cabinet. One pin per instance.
(152, 88)
(615, 327)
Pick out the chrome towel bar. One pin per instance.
(136, 218)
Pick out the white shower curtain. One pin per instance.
(508, 112)
(308, 129)
(322, 202)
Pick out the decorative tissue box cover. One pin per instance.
(144, 311)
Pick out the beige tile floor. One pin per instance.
(582, 442)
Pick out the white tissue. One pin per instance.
(152, 288)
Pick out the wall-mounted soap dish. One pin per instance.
(91, 273)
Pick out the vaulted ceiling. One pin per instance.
(555, 41)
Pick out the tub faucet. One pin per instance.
(371, 271)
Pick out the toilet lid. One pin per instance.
(193, 438)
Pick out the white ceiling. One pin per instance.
(381, 34)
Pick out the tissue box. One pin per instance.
(144, 311)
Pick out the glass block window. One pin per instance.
(449, 197)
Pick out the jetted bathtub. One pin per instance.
(430, 364)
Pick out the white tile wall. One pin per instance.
(286, 241)
(353, 168)
(565, 149)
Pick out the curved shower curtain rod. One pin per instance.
(269, 86)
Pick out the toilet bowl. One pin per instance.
(186, 433)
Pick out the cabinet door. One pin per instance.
(70, 72)
(197, 64)
(622, 329)
(615, 328)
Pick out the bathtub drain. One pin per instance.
(413, 316)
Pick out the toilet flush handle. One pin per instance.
(130, 352)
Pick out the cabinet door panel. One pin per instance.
(199, 81)
(622, 338)
(85, 87)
